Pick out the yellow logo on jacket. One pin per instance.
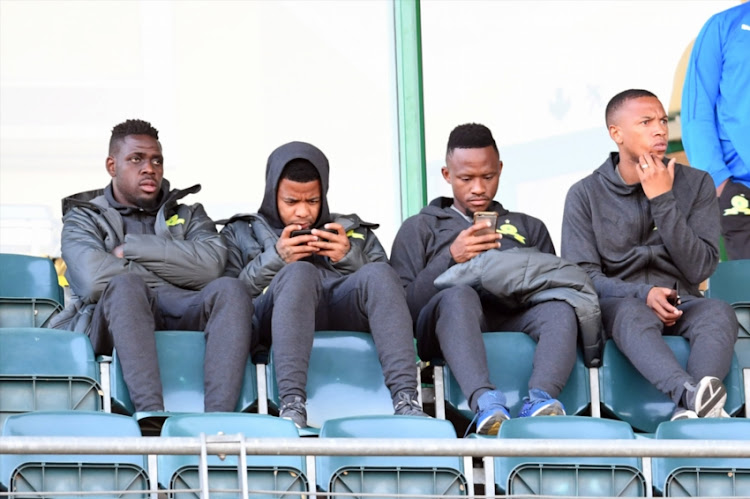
(739, 206)
(507, 229)
(354, 235)
(175, 220)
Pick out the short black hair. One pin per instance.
(470, 136)
(300, 170)
(618, 100)
(130, 127)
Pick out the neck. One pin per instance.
(627, 168)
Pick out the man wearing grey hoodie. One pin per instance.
(647, 230)
(332, 275)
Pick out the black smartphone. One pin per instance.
(674, 300)
(307, 232)
(486, 216)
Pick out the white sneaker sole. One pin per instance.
(710, 398)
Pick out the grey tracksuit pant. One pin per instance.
(709, 325)
(129, 312)
(300, 300)
(450, 326)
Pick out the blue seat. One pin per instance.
(730, 282)
(627, 395)
(181, 355)
(29, 291)
(47, 369)
(389, 476)
(569, 476)
(26, 474)
(285, 474)
(344, 378)
(510, 359)
(703, 477)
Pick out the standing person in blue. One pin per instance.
(647, 230)
(716, 119)
(139, 261)
(450, 322)
(334, 276)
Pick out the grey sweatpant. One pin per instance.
(709, 325)
(129, 312)
(300, 300)
(450, 326)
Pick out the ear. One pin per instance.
(615, 133)
(500, 167)
(446, 174)
(110, 165)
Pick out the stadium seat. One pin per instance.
(47, 369)
(510, 359)
(569, 476)
(29, 293)
(181, 355)
(28, 474)
(698, 476)
(285, 474)
(628, 396)
(344, 378)
(730, 282)
(388, 476)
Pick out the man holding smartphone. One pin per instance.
(310, 269)
(647, 229)
(450, 322)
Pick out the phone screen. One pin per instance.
(486, 216)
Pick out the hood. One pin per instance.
(612, 180)
(276, 163)
(100, 198)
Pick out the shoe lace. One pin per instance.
(406, 399)
(294, 404)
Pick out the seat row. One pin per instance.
(184, 475)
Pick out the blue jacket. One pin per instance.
(716, 98)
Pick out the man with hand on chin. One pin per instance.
(334, 277)
(647, 230)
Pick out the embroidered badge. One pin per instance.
(739, 206)
(507, 229)
(175, 220)
(354, 235)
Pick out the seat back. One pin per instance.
(181, 355)
(699, 476)
(30, 473)
(29, 291)
(285, 474)
(730, 282)
(392, 475)
(628, 396)
(569, 476)
(344, 378)
(47, 369)
(510, 357)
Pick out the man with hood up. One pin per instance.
(647, 232)
(139, 261)
(334, 277)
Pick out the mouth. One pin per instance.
(148, 186)
(659, 147)
(478, 202)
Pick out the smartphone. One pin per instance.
(674, 301)
(486, 216)
(307, 232)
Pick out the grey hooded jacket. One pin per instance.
(252, 238)
(184, 251)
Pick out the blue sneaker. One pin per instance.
(539, 403)
(491, 413)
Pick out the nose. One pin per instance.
(302, 211)
(147, 167)
(661, 128)
(477, 186)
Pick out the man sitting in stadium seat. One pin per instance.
(139, 261)
(647, 232)
(450, 322)
(308, 268)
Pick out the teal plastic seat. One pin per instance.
(510, 359)
(703, 477)
(569, 476)
(627, 395)
(27, 474)
(388, 476)
(29, 291)
(285, 474)
(181, 355)
(47, 369)
(344, 378)
(730, 282)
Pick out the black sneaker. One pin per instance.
(293, 409)
(406, 404)
(706, 398)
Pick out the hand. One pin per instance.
(658, 301)
(333, 245)
(468, 245)
(291, 249)
(119, 251)
(656, 179)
